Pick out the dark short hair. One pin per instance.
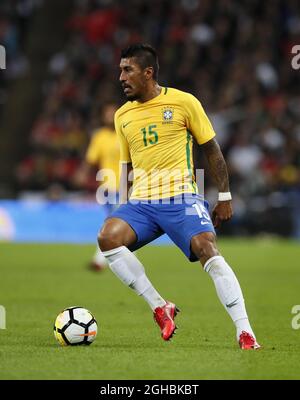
(145, 55)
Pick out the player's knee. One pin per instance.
(115, 233)
(204, 246)
(108, 239)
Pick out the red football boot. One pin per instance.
(164, 316)
(248, 342)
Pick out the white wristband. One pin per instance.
(225, 196)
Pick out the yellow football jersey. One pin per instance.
(104, 152)
(156, 136)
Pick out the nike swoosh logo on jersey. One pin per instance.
(127, 123)
(204, 223)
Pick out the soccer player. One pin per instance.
(103, 153)
(155, 128)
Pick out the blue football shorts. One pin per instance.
(180, 217)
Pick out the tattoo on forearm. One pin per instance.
(217, 165)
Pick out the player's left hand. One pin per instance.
(222, 212)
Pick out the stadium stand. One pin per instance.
(234, 56)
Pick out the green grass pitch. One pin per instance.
(37, 281)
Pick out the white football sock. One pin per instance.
(131, 272)
(229, 292)
(99, 258)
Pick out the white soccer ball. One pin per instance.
(75, 326)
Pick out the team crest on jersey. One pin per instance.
(168, 114)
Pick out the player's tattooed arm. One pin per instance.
(218, 171)
(126, 181)
(217, 164)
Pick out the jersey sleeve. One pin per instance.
(124, 148)
(93, 153)
(197, 121)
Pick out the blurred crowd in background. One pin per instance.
(15, 18)
(235, 56)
